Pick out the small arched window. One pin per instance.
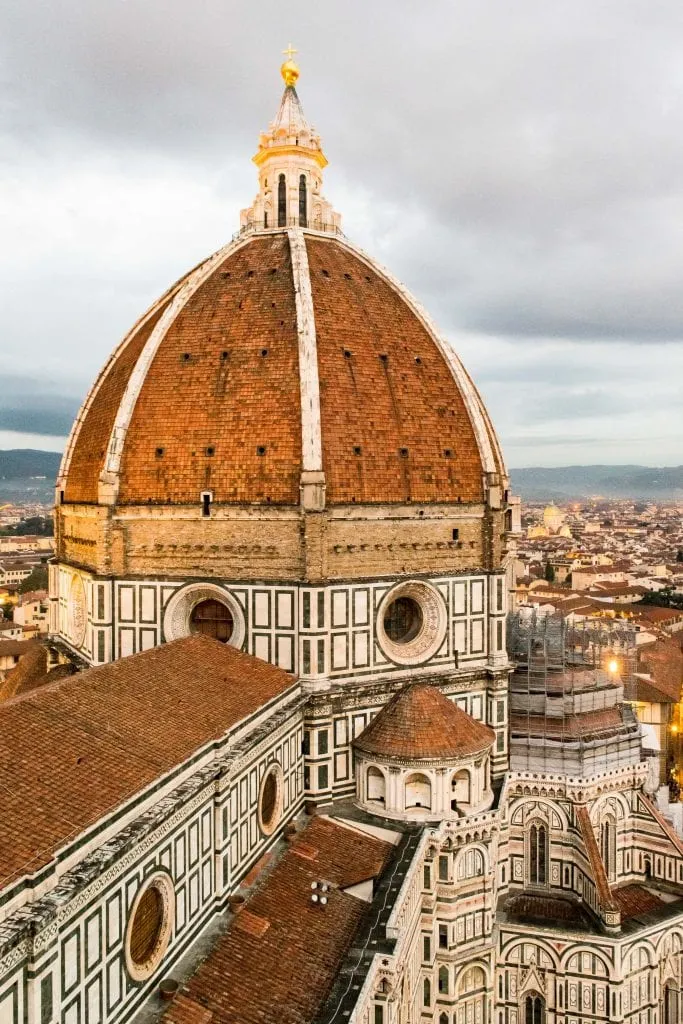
(534, 1010)
(427, 992)
(281, 202)
(418, 791)
(608, 846)
(461, 788)
(376, 784)
(443, 979)
(303, 214)
(671, 1001)
(538, 854)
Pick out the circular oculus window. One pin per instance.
(150, 924)
(207, 609)
(270, 798)
(411, 622)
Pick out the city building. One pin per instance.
(280, 787)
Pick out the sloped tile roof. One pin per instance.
(281, 964)
(421, 723)
(74, 750)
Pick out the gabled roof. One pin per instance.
(421, 723)
(73, 751)
(281, 954)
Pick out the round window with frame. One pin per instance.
(212, 618)
(411, 622)
(150, 925)
(270, 799)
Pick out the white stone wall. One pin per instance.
(73, 969)
(315, 632)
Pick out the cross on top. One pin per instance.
(289, 52)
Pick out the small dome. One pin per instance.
(421, 723)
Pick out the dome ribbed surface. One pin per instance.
(208, 386)
(421, 723)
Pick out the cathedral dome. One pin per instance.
(287, 368)
(287, 352)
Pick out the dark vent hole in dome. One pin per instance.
(261, 450)
(225, 355)
(186, 357)
(347, 354)
(159, 452)
(210, 450)
(225, 274)
(250, 273)
(384, 357)
(273, 270)
(403, 453)
(357, 449)
(264, 352)
(418, 360)
(325, 273)
(347, 276)
(448, 453)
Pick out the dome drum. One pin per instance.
(418, 791)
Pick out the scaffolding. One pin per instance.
(570, 693)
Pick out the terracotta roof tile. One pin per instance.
(284, 973)
(634, 899)
(32, 671)
(211, 398)
(73, 750)
(590, 723)
(420, 722)
(663, 660)
(220, 406)
(384, 388)
(87, 458)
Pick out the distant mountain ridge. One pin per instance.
(19, 468)
(650, 483)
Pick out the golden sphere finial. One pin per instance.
(289, 70)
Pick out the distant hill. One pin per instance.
(26, 473)
(664, 483)
(20, 467)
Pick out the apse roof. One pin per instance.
(421, 723)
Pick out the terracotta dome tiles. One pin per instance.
(421, 723)
(87, 458)
(384, 389)
(220, 406)
(219, 409)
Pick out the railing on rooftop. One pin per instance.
(292, 222)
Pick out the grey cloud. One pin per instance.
(518, 165)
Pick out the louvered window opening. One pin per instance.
(147, 926)
(403, 620)
(212, 618)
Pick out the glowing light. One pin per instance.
(613, 665)
(674, 728)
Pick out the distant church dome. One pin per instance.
(553, 518)
(288, 364)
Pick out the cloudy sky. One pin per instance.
(518, 165)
